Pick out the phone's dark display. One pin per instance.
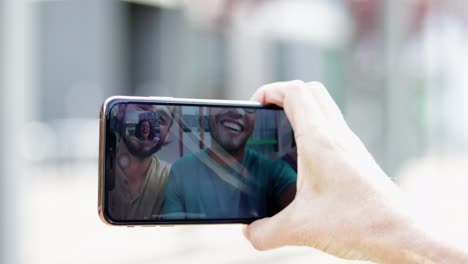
(195, 164)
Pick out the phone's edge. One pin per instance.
(102, 150)
(101, 161)
(162, 99)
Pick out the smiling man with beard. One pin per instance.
(228, 180)
(141, 177)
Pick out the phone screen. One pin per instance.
(174, 163)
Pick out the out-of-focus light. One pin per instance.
(77, 139)
(60, 140)
(88, 139)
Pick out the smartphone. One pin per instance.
(166, 161)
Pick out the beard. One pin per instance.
(231, 146)
(141, 149)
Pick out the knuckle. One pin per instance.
(296, 84)
(296, 88)
(317, 87)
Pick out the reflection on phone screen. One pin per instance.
(195, 163)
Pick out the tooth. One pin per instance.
(232, 126)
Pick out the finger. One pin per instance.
(274, 93)
(325, 101)
(296, 99)
(269, 233)
(301, 108)
(332, 113)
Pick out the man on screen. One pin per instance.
(228, 180)
(141, 176)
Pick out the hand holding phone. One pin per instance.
(345, 204)
(179, 161)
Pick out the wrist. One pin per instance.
(403, 242)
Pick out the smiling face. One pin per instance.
(146, 144)
(145, 129)
(231, 127)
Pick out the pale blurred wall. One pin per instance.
(2, 138)
(169, 56)
(120, 48)
(16, 104)
(81, 56)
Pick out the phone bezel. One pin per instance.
(103, 147)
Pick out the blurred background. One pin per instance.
(396, 68)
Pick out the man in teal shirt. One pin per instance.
(227, 180)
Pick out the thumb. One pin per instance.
(268, 233)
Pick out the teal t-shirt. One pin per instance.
(199, 188)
